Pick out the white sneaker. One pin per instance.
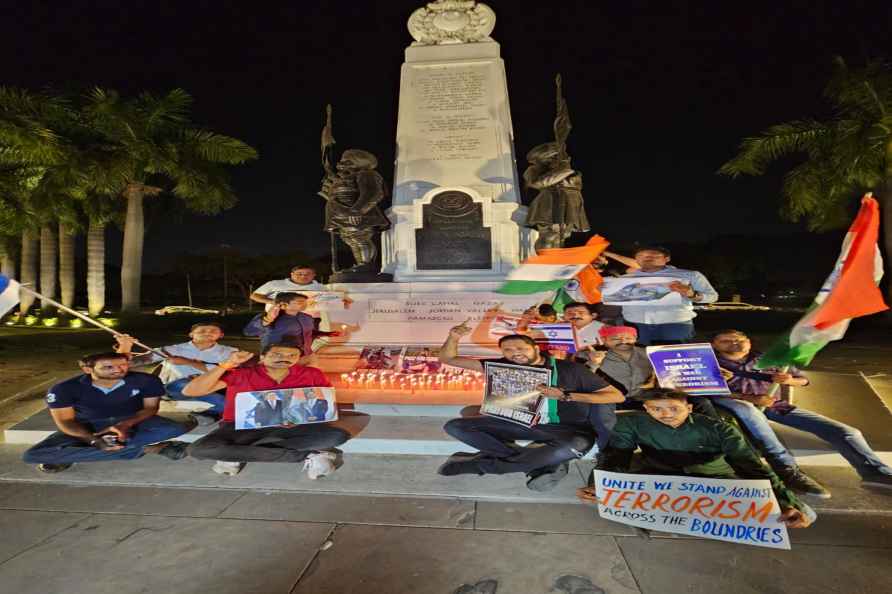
(320, 464)
(228, 468)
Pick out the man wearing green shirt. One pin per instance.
(673, 441)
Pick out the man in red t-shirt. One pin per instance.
(277, 368)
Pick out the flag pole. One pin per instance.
(89, 320)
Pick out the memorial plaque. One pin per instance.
(452, 236)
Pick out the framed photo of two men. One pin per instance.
(285, 407)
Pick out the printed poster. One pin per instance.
(640, 290)
(732, 510)
(421, 360)
(511, 392)
(285, 407)
(380, 357)
(691, 368)
(553, 337)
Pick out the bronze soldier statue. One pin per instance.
(558, 210)
(352, 191)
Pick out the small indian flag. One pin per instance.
(9, 294)
(551, 269)
(850, 291)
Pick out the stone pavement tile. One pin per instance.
(354, 509)
(401, 560)
(126, 554)
(666, 566)
(848, 494)
(119, 500)
(546, 517)
(23, 529)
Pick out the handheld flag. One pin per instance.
(9, 294)
(850, 291)
(553, 268)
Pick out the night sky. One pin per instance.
(660, 94)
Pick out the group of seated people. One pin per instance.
(604, 395)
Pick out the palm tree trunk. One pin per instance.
(49, 249)
(29, 269)
(66, 264)
(7, 257)
(96, 268)
(131, 261)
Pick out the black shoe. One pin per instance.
(883, 481)
(801, 483)
(173, 450)
(546, 479)
(53, 468)
(461, 463)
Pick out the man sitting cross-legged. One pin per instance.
(753, 407)
(277, 369)
(675, 442)
(186, 360)
(583, 400)
(108, 413)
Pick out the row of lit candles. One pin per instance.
(385, 379)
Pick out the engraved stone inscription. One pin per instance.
(433, 308)
(452, 236)
(451, 113)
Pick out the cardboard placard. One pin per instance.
(691, 368)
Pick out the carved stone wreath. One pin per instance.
(452, 21)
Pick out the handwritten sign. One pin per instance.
(691, 368)
(733, 510)
(511, 392)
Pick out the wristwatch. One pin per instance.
(696, 296)
(566, 395)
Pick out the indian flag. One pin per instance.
(553, 268)
(850, 291)
(9, 294)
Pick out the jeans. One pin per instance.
(494, 438)
(216, 400)
(846, 440)
(269, 444)
(60, 448)
(603, 420)
(675, 333)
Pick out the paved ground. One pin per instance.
(62, 538)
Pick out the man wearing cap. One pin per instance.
(667, 324)
(629, 366)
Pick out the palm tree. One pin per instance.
(100, 211)
(151, 147)
(845, 155)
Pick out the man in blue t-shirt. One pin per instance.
(108, 413)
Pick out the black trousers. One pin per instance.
(269, 444)
(495, 438)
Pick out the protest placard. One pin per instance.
(380, 357)
(733, 510)
(691, 368)
(553, 337)
(324, 300)
(288, 406)
(639, 290)
(511, 392)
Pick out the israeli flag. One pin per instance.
(9, 294)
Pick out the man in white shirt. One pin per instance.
(671, 324)
(186, 361)
(301, 279)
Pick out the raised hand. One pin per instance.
(237, 358)
(125, 343)
(462, 329)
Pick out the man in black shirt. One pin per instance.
(108, 413)
(583, 400)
